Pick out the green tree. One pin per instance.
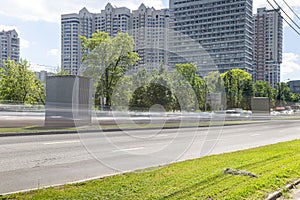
(214, 85)
(247, 93)
(159, 94)
(283, 94)
(239, 88)
(108, 59)
(139, 99)
(160, 89)
(173, 91)
(214, 82)
(263, 89)
(200, 90)
(19, 85)
(295, 97)
(189, 72)
(155, 88)
(122, 93)
(142, 77)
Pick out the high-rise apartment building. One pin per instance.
(112, 20)
(150, 33)
(10, 46)
(73, 26)
(268, 45)
(222, 30)
(147, 26)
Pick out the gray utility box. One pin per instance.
(68, 101)
(260, 105)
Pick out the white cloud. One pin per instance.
(9, 28)
(34, 10)
(50, 11)
(36, 68)
(53, 52)
(24, 44)
(134, 4)
(290, 63)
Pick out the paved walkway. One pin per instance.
(294, 194)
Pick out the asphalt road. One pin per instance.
(21, 119)
(29, 162)
(15, 119)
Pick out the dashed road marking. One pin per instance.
(129, 149)
(62, 142)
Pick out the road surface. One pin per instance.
(14, 119)
(29, 162)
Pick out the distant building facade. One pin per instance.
(42, 75)
(112, 20)
(10, 46)
(146, 25)
(73, 26)
(294, 86)
(224, 29)
(150, 33)
(268, 45)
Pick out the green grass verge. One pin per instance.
(203, 178)
(29, 129)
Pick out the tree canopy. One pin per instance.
(154, 89)
(181, 90)
(19, 85)
(214, 82)
(283, 94)
(239, 88)
(189, 72)
(107, 59)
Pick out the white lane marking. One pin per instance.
(255, 135)
(130, 149)
(212, 140)
(62, 142)
(162, 135)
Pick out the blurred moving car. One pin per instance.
(235, 113)
(287, 110)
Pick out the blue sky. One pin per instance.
(38, 25)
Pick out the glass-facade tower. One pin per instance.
(223, 29)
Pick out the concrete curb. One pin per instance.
(58, 132)
(76, 131)
(277, 194)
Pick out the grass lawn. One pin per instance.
(275, 165)
(33, 129)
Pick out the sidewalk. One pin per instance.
(293, 194)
